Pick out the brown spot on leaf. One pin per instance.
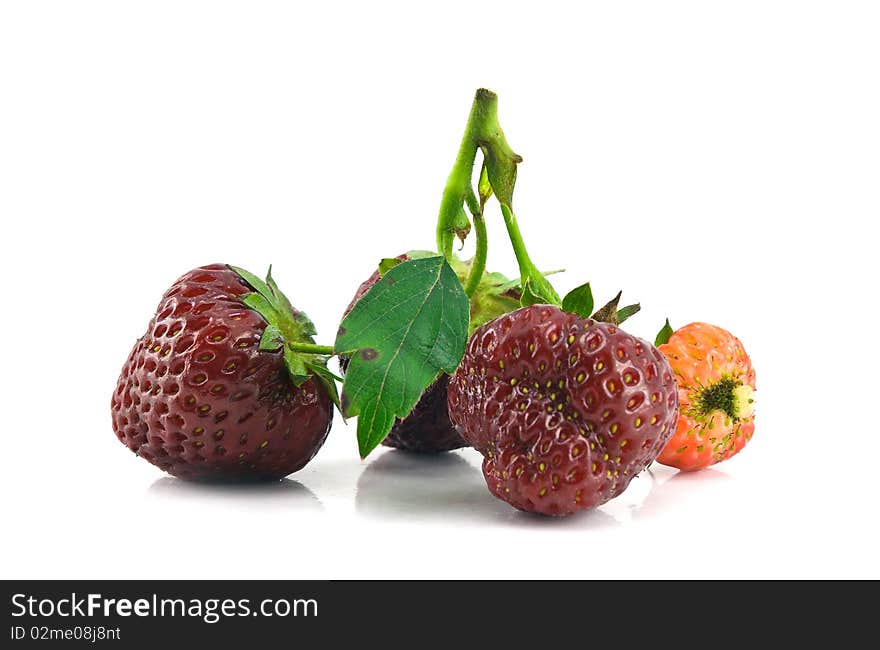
(369, 354)
(341, 331)
(344, 402)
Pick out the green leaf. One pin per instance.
(387, 263)
(579, 301)
(664, 334)
(625, 312)
(410, 326)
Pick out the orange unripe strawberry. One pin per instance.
(716, 386)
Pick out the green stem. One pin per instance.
(311, 348)
(482, 126)
(478, 265)
(516, 240)
(529, 273)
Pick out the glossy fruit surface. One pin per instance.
(565, 410)
(199, 399)
(716, 386)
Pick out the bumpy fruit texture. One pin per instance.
(716, 385)
(565, 410)
(198, 399)
(427, 428)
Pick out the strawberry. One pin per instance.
(716, 385)
(566, 410)
(223, 385)
(427, 428)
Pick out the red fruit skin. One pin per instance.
(427, 428)
(565, 410)
(198, 399)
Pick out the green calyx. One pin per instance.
(580, 301)
(730, 396)
(492, 296)
(289, 331)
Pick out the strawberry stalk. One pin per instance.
(482, 126)
(311, 348)
(498, 177)
(535, 287)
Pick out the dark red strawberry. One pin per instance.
(427, 428)
(219, 387)
(565, 410)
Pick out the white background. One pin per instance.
(718, 161)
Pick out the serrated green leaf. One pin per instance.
(387, 263)
(625, 312)
(410, 326)
(579, 301)
(664, 334)
(272, 338)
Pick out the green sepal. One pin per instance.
(461, 225)
(259, 304)
(536, 290)
(285, 327)
(484, 187)
(323, 374)
(608, 312)
(579, 301)
(664, 334)
(626, 312)
(296, 366)
(259, 285)
(272, 338)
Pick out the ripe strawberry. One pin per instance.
(716, 385)
(427, 428)
(214, 390)
(565, 410)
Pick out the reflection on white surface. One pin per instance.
(427, 487)
(283, 494)
(674, 490)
